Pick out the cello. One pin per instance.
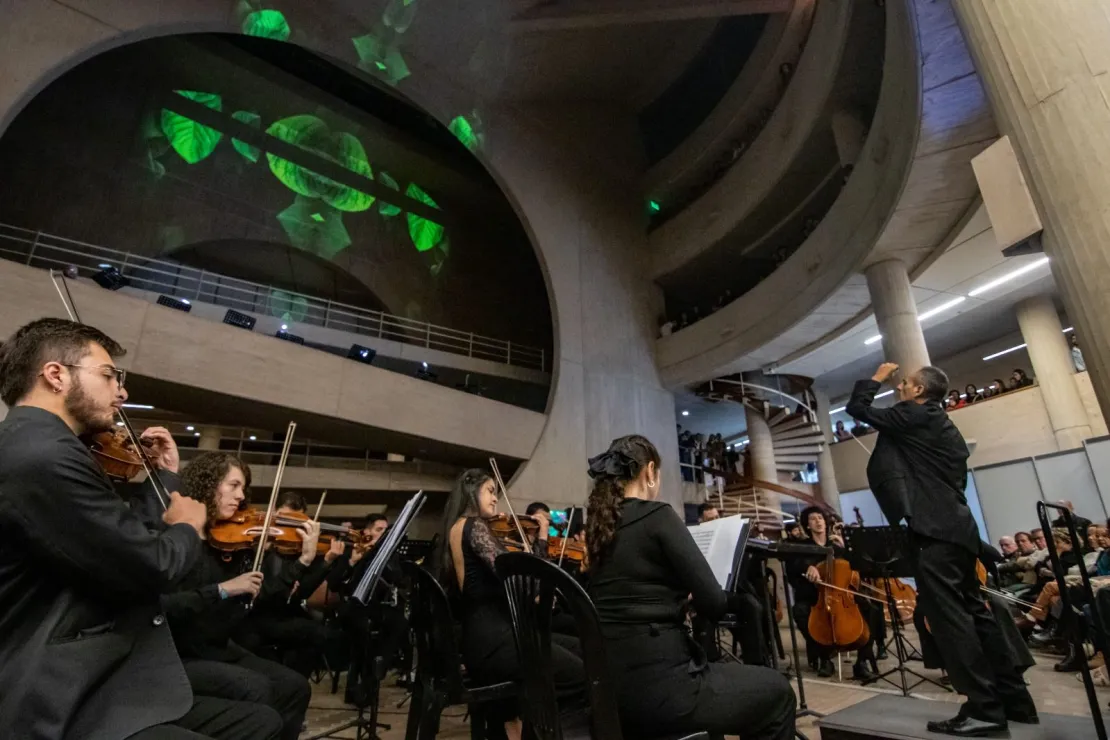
(835, 620)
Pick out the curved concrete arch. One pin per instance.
(746, 334)
(750, 181)
(755, 88)
(587, 240)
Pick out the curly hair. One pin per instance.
(202, 477)
(612, 471)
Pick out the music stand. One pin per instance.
(883, 552)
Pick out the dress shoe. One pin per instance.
(1023, 716)
(1074, 662)
(961, 726)
(825, 669)
(860, 672)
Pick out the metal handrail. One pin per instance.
(39, 249)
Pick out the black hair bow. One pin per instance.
(614, 464)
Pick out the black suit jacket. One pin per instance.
(84, 650)
(918, 469)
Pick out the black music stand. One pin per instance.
(883, 552)
(803, 709)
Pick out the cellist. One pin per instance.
(804, 577)
(84, 649)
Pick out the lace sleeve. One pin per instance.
(482, 543)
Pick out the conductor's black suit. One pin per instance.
(918, 472)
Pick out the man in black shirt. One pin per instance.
(84, 649)
(918, 472)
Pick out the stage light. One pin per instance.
(254, 438)
(242, 320)
(1009, 276)
(685, 413)
(196, 434)
(289, 337)
(361, 354)
(110, 278)
(190, 428)
(179, 304)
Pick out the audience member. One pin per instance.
(707, 512)
(1077, 355)
(1008, 547)
(858, 429)
(1082, 523)
(955, 401)
(1025, 543)
(972, 394)
(1018, 379)
(840, 433)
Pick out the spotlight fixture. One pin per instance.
(179, 304)
(685, 413)
(190, 428)
(242, 320)
(254, 438)
(283, 334)
(110, 278)
(361, 354)
(196, 434)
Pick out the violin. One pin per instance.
(567, 548)
(504, 530)
(242, 532)
(835, 620)
(115, 452)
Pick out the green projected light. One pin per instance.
(468, 133)
(653, 206)
(388, 210)
(425, 234)
(250, 153)
(314, 227)
(191, 140)
(267, 24)
(312, 134)
(380, 59)
(287, 307)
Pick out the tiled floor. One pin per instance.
(1055, 693)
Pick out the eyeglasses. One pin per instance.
(108, 371)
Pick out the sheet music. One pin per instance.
(717, 542)
(386, 547)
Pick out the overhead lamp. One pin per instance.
(883, 395)
(1070, 328)
(685, 413)
(103, 266)
(872, 340)
(837, 411)
(190, 428)
(1009, 276)
(196, 434)
(119, 423)
(143, 406)
(1004, 352)
(254, 438)
(941, 308)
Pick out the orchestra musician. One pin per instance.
(541, 512)
(211, 603)
(84, 648)
(918, 472)
(465, 560)
(803, 576)
(644, 569)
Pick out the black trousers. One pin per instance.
(752, 631)
(219, 719)
(965, 633)
(252, 679)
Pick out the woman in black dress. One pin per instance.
(467, 574)
(644, 570)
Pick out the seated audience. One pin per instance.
(1018, 379)
(972, 394)
(840, 433)
(954, 401)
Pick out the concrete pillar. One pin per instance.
(1051, 358)
(1043, 64)
(394, 457)
(209, 438)
(3, 412)
(896, 313)
(826, 472)
(761, 453)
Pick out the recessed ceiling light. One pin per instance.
(837, 411)
(881, 395)
(1004, 352)
(1009, 276)
(941, 308)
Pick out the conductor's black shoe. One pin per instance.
(961, 726)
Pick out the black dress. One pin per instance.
(488, 649)
(664, 683)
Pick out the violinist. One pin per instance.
(803, 576)
(381, 618)
(918, 472)
(644, 568)
(465, 561)
(84, 648)
(541, 512)
(285, 626)
(211, 603)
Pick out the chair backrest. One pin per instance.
(531, 585)
(433, 628)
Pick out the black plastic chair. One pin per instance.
(531, 585)
(439, 681)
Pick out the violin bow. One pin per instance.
(320, 506)
(566, 536)
(152, 473)
(508, 503)
(262, 539)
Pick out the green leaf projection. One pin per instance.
(425, 234)
(192, 141)
(385, 208)
(468, 133)
(312, 134)
(267, 24)
(286, 306)
(380, 58)
(315, 227)
(250, 153)
(353, 157)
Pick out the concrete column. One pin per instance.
(209, 438)
(1051, 358)
(826, 472)
(1043, 65)
(394, 457)
(3, 412)
(761, 453)
(896, 313)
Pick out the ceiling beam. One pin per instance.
(570, 15)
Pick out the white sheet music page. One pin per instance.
(717, 541)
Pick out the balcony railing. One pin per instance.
(39, 249)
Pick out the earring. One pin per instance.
(653, 485)
(57, 390)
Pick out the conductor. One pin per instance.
(918, 472)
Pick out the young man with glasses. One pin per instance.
(84, 648)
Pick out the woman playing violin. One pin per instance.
(466, 571)
(213, 600)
